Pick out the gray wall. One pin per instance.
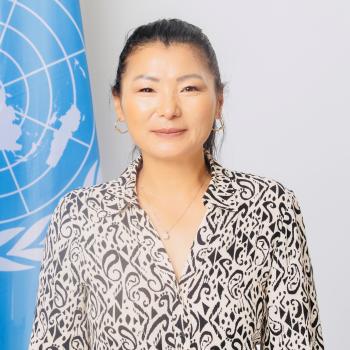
(286, 110)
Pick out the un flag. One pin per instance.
(48, 143)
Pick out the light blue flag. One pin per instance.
(48, 143)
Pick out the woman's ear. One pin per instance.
(118, 108)
(219, 105)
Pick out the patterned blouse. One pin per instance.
(107, 283)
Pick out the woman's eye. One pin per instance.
(144, 90)
(190, 88)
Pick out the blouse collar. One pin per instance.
(223, 189)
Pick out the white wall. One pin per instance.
(287, 64)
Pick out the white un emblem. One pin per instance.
(47, 133)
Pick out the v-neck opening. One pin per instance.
(187, 262)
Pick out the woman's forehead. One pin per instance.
(158, 58)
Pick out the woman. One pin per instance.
(178, 252)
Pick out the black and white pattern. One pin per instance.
(106, 281)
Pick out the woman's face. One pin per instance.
(168, 87)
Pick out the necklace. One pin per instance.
(166, 234)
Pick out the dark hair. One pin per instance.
(170, 31)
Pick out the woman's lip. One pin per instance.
(169, 134)
(168, 131)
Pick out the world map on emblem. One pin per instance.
(47, 133)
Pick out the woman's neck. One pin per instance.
(177, 179)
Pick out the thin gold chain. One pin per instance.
(166, 234)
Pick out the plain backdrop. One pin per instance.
(286, 111)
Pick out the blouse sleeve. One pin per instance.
(59, 320)
(292, 313)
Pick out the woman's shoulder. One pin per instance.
(260, 187)
(235, 186)
(96, 200)
(262, 181)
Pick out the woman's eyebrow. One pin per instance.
(183, 77)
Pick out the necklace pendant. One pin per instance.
(166, 235)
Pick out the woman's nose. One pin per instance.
(169, 106)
